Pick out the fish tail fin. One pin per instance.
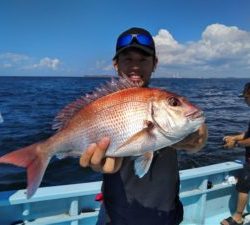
(33, 160)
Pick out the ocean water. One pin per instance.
(29, 104)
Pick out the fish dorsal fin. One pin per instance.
(71, 109)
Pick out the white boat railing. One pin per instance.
(208, 195)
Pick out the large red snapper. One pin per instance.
(138, 120)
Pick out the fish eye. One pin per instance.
(173, 101)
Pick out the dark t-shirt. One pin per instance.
(247, 153)
(243, 184)
(152, 199)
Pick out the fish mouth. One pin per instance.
(195, 115)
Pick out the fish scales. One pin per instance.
(110, 117)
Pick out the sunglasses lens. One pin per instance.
(124, 40)
(141, 39)
(144, 40)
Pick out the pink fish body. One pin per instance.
(138, 121)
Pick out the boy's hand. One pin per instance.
(94, 157)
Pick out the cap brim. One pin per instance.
(135, 45)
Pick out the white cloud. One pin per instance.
(103, 65)
(23, 62)
(47, 63)
(221, 50)
(13, 57)
(11, 60)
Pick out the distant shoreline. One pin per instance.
(108, 76)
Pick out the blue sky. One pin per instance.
(194, 38)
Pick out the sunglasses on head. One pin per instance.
(142, 39)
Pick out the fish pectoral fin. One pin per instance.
(142, 163)
(144, 141)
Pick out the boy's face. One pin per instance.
(136, 65)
